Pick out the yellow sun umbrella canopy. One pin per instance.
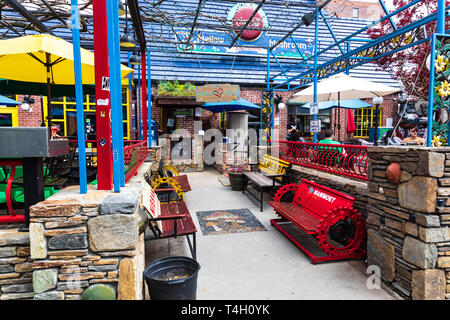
(25, 59)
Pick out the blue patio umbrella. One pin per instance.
(4, 101)
(240, 104)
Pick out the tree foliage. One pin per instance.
(409, 65)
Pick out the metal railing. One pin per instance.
(341, 159)
(135, 155)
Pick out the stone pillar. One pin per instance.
(409, 218)
(79, 241)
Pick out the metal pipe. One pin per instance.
(431, 91)
(28, 15)
(144, 96)
(149, 100)
(316, 40)
(79, 96)
(113, 43)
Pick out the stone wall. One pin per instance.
(408, 220)
(15, 264)
(79, 241)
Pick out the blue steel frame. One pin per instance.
(79, 95)
(356, 57)
(149, 101)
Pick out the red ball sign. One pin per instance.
(240, 19)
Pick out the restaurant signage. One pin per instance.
(251, 42)
(217, 93)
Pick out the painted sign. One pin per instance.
(251, 42)
(314, 108)
(314, 126)
(215, 42)
(217, 93)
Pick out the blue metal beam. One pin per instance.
(75, 14)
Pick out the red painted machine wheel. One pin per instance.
(341, 232)
(286, 193)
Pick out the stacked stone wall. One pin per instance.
(408, 221)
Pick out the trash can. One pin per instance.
(172, 278)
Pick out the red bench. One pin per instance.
(323, 212)
(169, 220)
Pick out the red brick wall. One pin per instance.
(344, 9)
(33, 118)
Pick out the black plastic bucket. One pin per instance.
(172, 278)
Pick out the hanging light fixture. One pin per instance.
(135, 60)
(121, 8)
(126, 40)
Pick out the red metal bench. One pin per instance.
(323, 212)
(169, 220)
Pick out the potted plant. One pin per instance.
(237, 178)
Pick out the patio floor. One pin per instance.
(257, 265)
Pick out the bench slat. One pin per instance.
(260, 179)
(184, 226)
(297, 215)
(182, 180)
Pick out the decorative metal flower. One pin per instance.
(443, 90)
(441, 63)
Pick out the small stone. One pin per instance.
(406, 176)
(444, 191)
(55, 263)
(11, 238)
(127, 280)
(103, 268)
(427, 220)
(431, 164)
(66, 242)
(65, 231)
(18, 288)
(51, 295)
(72, 285)
(106, 261)
(24, 267)
(113, 232)
(23, 251)
(44, 280)
(412, 229)
(428, 284)
(434, 234)
(443, 262)
(68, 253)
(6, 268)
(418, 194)
(7, 252)
(17, 296)
(38, 243)
(55, 208)
(56, 224)
(82, 276)
(120, 203)
(418, 253)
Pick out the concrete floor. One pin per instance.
(258, 265)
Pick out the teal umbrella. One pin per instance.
(4, 101)
(240, 104)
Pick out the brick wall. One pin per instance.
(344, 9)
(31, 118)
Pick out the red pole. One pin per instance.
(102, 95)
(144, 95)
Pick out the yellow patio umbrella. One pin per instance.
(45, 59)
(37, 58)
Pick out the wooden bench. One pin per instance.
(323, 212)
(168, 220)
(270, 176)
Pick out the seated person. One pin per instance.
(413, 138)
(329, 140)
(391, 138)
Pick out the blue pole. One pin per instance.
(118, 93)
(431, 91)
(316, 39)
(149, 101)
(79, 95)
(113, 43)
(440, 20)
